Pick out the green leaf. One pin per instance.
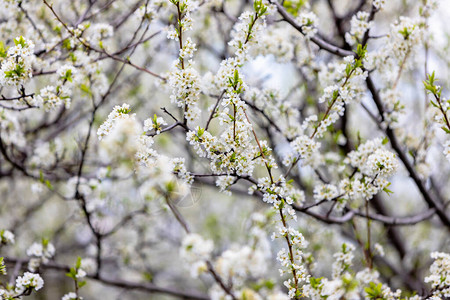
(200, 131)
(67, 44)
(233, 157)
(315, 282)
(85, 88)
(20, 41)
(256, 5)
(2, 267)
(236, 76)
(374, 291)
(78, 263)
(445, 129)
(293, 6)
(147, 276)
(3, 50)
(48, 184)
(45, 242)
(361, 52)
(72, 274)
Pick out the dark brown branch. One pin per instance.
(432, 203)
(316, 40)
(145, 287)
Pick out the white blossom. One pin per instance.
(440, 274)
(6, 237)
(29, 281)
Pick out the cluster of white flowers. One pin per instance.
(47, 153)
(172, 33)
(325, 192)
(227, 67)
(16, 65)
(196, 251)
(231, 146)
(89, 265)
(374, 164)
(187, 8)
(378, 249)
(351, 189)
(178, 166)
(440, 275)
(126, 135)
(11, 129)
(194, 247)
(223, 182)
(185, 22)
(145, 154)
(304, 147)
(245, 33)
(185, 86)
(76, 34)
(85, 186)
(235, 265)
(39, 253)
(308, 21)
(25, 284)
(322, 288)
(393, 107)
(200, 137)
(404, 37)
(381, 163)
(122, 131)
(367, 275)
(232, 151)
(80, 273)
(188, 50)
(118, 113)
(277, 43)
(241, 263)
(98, 32)
(6, 237)
(44, 250)
(347, 87)
(148, 11)
(159, 174)
(7, 294)
(379, 4)
(51, 97)
(282, 197)
(346, 284)
(401, 45)
(71, 296)
(184, 80)
(29, 281)
(343, 260)
(359, 25)
(293, 265)
(358, 158)
(154, 124)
